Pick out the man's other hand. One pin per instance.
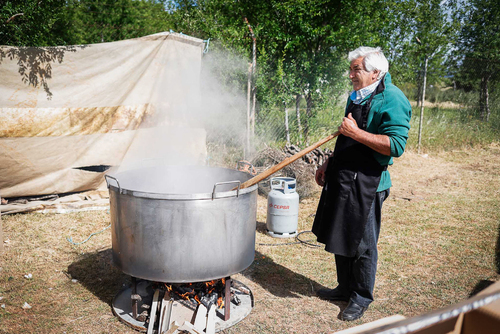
(320, 174)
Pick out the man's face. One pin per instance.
(359, 76)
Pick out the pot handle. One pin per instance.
(114, 178)
(228, 182)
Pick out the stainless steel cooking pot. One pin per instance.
(182, 223)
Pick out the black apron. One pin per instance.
(351, 182)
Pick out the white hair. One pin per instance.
(373, 59)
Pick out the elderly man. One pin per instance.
(355, 179)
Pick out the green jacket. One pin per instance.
(390, 115)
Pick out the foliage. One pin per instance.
(421, 28)
(301, 44)
(29, 22)
(301, 47)
(479, 51)
(59, 22)
(97, 21)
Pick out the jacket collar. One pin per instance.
(359, 96)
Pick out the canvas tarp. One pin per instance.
(67, 111)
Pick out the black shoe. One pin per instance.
(332, 294)
(352, 312)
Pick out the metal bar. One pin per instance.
(227, 299)
(133, 297)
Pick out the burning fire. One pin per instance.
(204, 292)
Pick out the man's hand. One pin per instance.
(349, 127)
(379, 143)
(320, 174)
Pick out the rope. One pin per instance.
(90, 236)
(307, 242)
(299, 241)
(206, 46)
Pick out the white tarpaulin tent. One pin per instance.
(68, 112)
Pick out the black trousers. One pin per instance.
(356, 275)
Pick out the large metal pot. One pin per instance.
(182, 224)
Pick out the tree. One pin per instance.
(29, 22)
(98, 21)
(53, 27)
(301, 44)
(420, 29)
(479, 49)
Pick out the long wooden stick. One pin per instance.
(286, 162)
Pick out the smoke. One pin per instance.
(198, 102)
(223, 104)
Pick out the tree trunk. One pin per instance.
(487, 100)
(484, 103)
(249, 121)
(287, 129)
(419, 90)
(420, 125)
(254, 89)
(298, 97)
(254, 66)
(482, 99)
(308, 116)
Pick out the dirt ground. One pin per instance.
(439, 244)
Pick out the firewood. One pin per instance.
(211, 320)
(154, 308)
(143, 316)
(173, 328)
(201, 317)
(190, 328)
(165, 313)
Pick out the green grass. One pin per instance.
(447, 129)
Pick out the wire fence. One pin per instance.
(455, 106)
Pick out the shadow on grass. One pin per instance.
(262, 228)
(483, 284)
(278, 280)
(96, 272)
(283, 282)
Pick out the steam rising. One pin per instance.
(199, 99)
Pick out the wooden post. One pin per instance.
(422, 106)
(287, 129)
(254, 89)
(249, 90)
(227, 298)
(254, 66)
(297, 112)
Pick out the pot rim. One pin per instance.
(184, 197)
(112, 174)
